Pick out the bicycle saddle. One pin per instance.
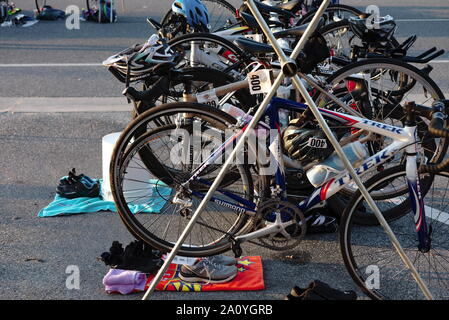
(251, 22)
(296, 31)
(289, 6)
(266, 9)
(255, 47)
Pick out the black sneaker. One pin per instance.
(137, 256)
(78, 186)
(318, 223)
(115, 255)
(318, 290)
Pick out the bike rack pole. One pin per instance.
(311, 104)
(300, 87)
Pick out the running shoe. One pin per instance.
(222, 259)
(206, 271)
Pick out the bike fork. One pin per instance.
(416, 198)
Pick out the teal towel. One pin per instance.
(62, 206)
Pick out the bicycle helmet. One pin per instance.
(140, 59)
(382, 29)
(306, 144)
(195, 13)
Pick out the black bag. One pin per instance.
(314, 52)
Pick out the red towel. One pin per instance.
(249, 278)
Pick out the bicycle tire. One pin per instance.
(122, 147)
(357, 243)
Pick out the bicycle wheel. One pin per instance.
(372, 261)
(333, 13)
(212, 51)
(221, 14)
(40, 5)
(393, 83)
(148, 161)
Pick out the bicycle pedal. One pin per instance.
(236, 249)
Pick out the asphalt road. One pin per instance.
(38, 148)
(49, 42)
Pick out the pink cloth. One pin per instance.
(124, 281)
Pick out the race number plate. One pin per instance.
(259, 81)
(208, 97)
(317, 143)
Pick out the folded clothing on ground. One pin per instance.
(124, 281)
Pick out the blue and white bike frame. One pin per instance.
(404, 139)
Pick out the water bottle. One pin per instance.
(261, 131)
(234, 111)
(322, 172)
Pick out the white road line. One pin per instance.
(64, 104)
(431, 213)
(436, 214)
(40, 65)
(65, 65)
(421, 20)
(439, 61)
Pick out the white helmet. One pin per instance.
(140, 59)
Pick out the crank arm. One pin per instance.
(270, 229)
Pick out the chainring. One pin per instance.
(288, 237)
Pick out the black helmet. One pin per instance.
(306, 144)
(383, 31)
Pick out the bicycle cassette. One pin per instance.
(274, 212)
